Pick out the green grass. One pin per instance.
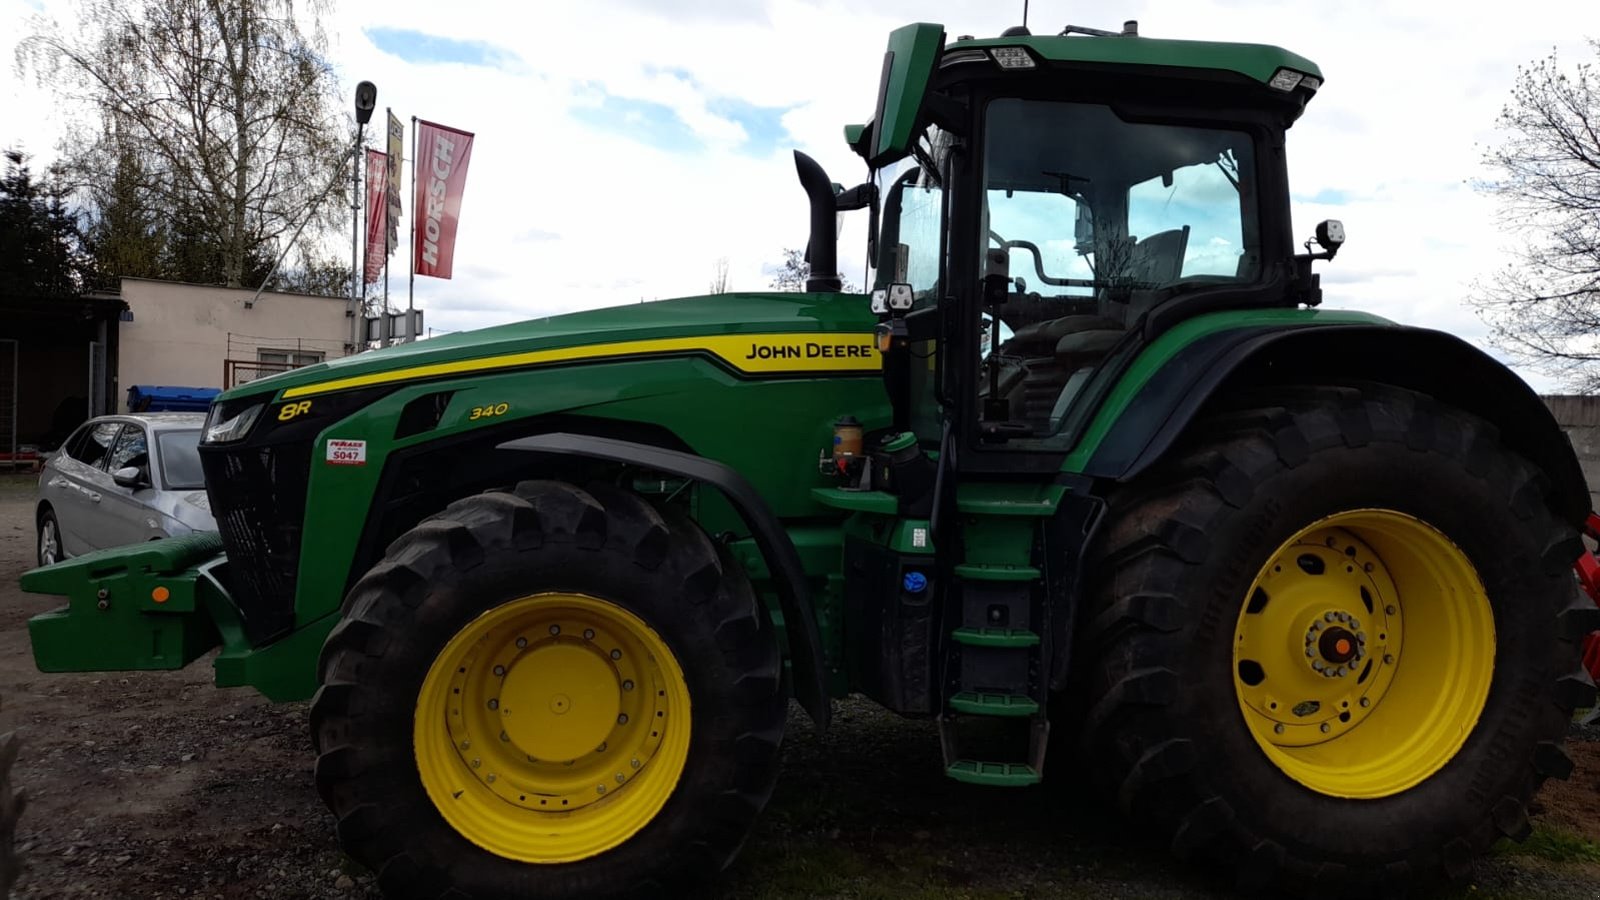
(1553, 844)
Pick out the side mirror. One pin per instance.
(131, 477)
(1083, 228)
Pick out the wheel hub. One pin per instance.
(1336, 644)
(559, 702)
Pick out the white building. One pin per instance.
(194, 335)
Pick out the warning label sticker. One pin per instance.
(346, 453)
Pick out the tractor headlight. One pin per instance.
(1286, 80)
(232, 429)
(1012, 57)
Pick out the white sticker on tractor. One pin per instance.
(919, 537)
(346, 453)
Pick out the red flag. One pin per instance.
(442, 157)
(377, 213)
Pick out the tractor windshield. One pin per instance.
(1095, 219)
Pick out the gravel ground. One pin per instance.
(147, 785)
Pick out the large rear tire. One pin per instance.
(550, 693)
(1335, 642)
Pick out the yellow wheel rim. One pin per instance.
(1363, 653)
(552, 728)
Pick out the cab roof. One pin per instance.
(1257, 61)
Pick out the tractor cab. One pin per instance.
(1050, 205)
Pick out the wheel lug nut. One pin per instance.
(634, 763)
(1388, 659)
(1328, 617)
(1366, 702)
(1389, 610)
(490, 778)
(622, 718)
(600, 789)
(1325, 727)
(588, 634)
(476, 763)
(494, 704)
(601, 748)
(522, 642)
(500, 670)
(555, 629)
(466, 745)
(621, 778)
(504, 736)
(1277, 729)
(627, 684)
(616, 654)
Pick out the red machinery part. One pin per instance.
(1589, 575)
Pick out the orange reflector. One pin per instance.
(1342, 647)
(160, 594)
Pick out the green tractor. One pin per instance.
(1087, 478)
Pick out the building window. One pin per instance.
(291, 359)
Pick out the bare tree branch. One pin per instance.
(1544, 309)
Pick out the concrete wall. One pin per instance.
(181, 333)
(1579, 417)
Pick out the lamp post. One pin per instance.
(366, 101)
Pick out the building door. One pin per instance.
(97, 379)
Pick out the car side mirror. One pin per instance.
(131, 477)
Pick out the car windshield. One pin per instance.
(180, 460)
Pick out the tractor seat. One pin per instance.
(1080, 348)
(1044, 338)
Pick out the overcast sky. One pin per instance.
(623, 146)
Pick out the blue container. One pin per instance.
(161, 398)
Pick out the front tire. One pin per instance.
(49, 544)
(1335, 642)
(549, 692)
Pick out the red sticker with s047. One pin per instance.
(346, 453)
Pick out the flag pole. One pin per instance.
(411, 292)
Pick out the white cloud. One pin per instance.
(561, 213)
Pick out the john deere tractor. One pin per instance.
(1089, 477)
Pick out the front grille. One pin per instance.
(258, 496)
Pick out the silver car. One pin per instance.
(121, 480)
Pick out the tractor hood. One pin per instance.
(713, 324)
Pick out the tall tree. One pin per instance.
(1544, 307)
(40, 251)
(222, 111)
(126, 233)
(791, 275)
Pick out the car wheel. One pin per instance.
(49, 539)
